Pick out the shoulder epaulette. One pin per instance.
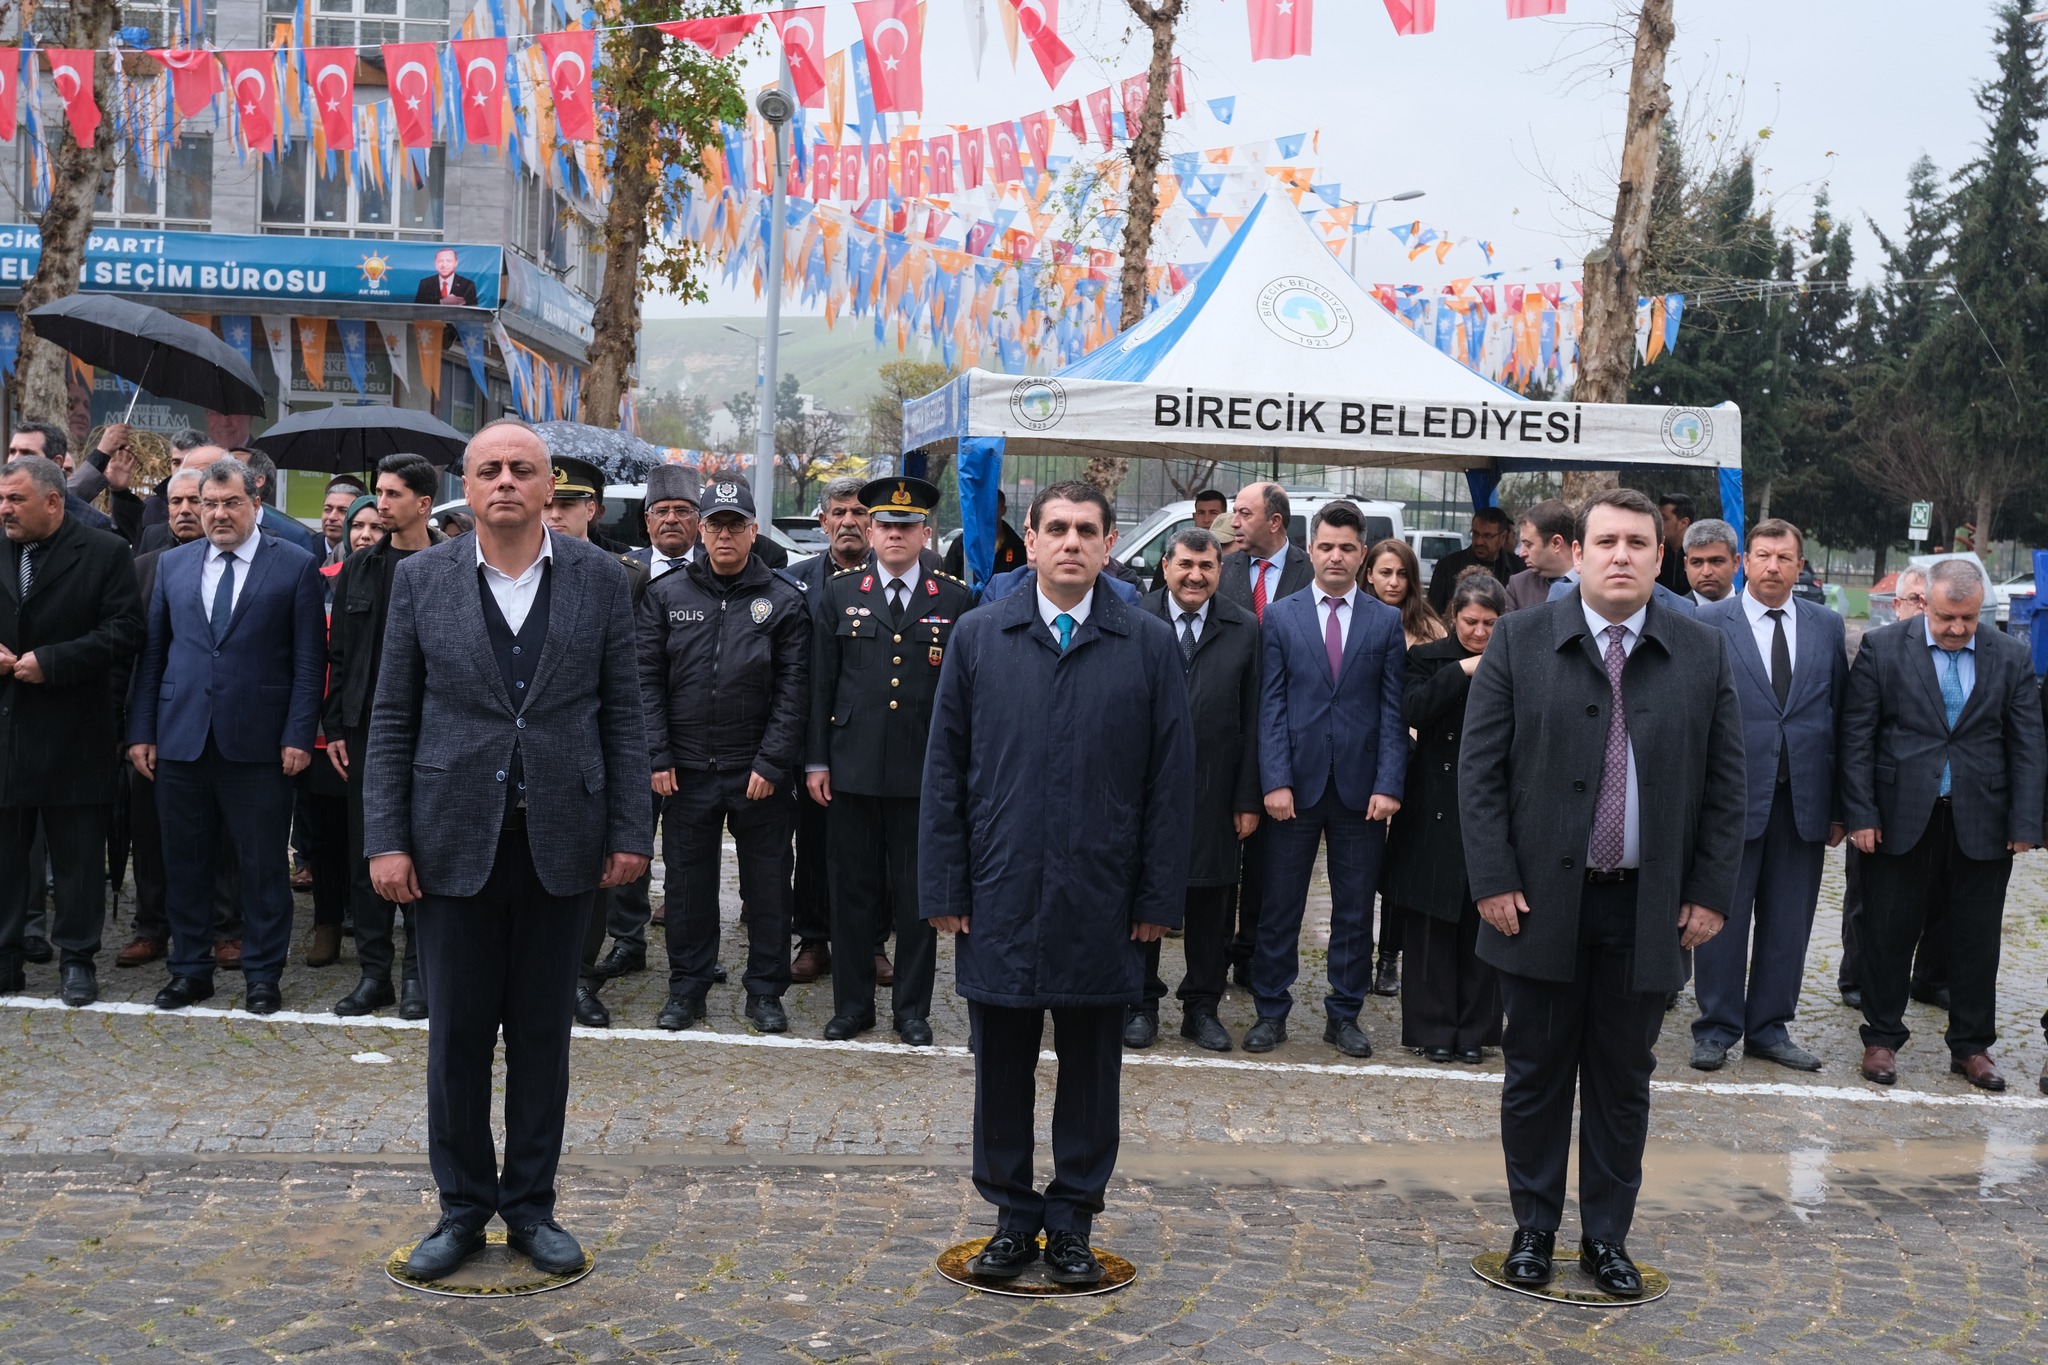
(791, 579)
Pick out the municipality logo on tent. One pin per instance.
(1688, 432)
(1303, 312)
(1038, 403)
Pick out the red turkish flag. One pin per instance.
(195, 77)
(1038, 137)
(1131, 91)
(252, 82)
(1177, 91)
(822, 166)
(1098, 105)
(1002, 141)
(718, 35)
(910, 167)
(892, 32)
(10, 76)
(1534, 9)
(71, 72)
(940, 159)
(481, 64)
(570, 56)
(413, 67)
(1070, 114)
(332, 72)
(1039, 22)
(970, 159)
(802, 32)
(1284, 28)
(878, 173)
(850, 162)
(1412, 16)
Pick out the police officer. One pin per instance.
(879, 637)
(578, 503)
(724, 654)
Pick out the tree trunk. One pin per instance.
(1107, 472)
(615, 323)
(1987, 508)
(1607, 343)
(76, 176)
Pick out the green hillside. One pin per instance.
(698, 356)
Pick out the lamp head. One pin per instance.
(774, 106)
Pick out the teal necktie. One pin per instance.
(1952, 699)
(1066, 625)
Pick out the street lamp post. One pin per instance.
(778, 107)
(763, 400)
(1403, 197)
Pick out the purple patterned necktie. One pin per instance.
(1610, 812)
(1333, 637)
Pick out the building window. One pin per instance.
(590, 270)
(367, 23)
(159, 20)
(300, 195)
(183, 197)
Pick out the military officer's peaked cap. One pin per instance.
(576, 478)
(900, 498)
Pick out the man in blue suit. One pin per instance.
(1791, 673)
(1333, 757)
(227, 701)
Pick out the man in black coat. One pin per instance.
(50, 442)
(1941, 782)
(69, 618)
(1219, 644)
(1593, 896)
(1491, 549)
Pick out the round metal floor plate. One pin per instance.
(495, 1272)
(1033, 1283)
(1572, 1285)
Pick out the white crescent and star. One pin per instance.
(891, 63)
(413, 101)
(795, 50)
(555, 66)
(320, 84)
(1031, 18)
(58, 77)
(262, 89)
(485, 62)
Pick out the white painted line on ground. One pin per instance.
(1389, 1071)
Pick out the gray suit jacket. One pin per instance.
(1236, 583)
(1805, 723)
(1896, 738)
(442, 726)
(1529, 773)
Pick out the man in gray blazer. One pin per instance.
(506, 781)
(1592, 897)
(1792, 667)
(1942, 773)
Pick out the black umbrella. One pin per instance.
(345, 440)
(149, 348)
(623, 457)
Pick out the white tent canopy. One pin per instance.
(1276, 352)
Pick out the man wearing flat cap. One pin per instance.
(879, 636)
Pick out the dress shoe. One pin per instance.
(1473, 1055)
(1708, 1055)
(765, 1013)
(620, 961)
(658, 917)
(718, 973)
(141, 950)
(443, 1250)
(1610, 1267)
(1976, 1067)
(1436, 1054)
(885, 970)
(914, 1032)
(591, 1011)
(813, 960)
(1005, 1256)
(412, 999)
(262, 997)
(1387, 980)
(1347, 1037)
(1852, 998)
(1070, 1260)
(1527, 1265)
(371, 993)
(302, 878)
(680, 1012)
(82, 986)
(1265, 1035)
(547, 1246)
(227, 954)
(843, 1026)
(1787, 1053)
(325, 950)
(37, 949)
(1880, 1065)
(1204, 1030)
(1141, 1028)
(183, 991)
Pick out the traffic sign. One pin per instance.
(1919, 521)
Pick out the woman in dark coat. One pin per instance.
(1450, 1005)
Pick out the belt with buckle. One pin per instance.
(1611, 875)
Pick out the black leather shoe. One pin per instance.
(1265, 1035)
(1528, 1262)
(81, 985)
(183, 991)
(1436, 1054)
(548, 1247)
(620, 961)
(1852, 998)
(680, 1012)
(1141, 1028)
(1070, 1260)
(1202, 1028)
(1610, 1267)
(37, 949)
(1387, 980)
(262, 997)
(443, 1250)
(1347, 1037)
(1005, 1256)
(718, 973)
(412, 999)
(1708, 1055)
(914, 1032)
(1787, 1054)
(371, 993)
(841, 1026)
(764, 1012)
(1474, 1055)
(591, 1011)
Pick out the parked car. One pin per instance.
(2003, 593)
(1809, 586)
(1430, 546)
(1882, 614)
(1142, 545)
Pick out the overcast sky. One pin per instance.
(1506, 124)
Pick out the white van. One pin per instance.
(1142, 546)
(1430, 546)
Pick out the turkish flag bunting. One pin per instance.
(71, 71)
(1039, 22)
(1098, 105)
(970, 159)
(10, 76)
(892, 31)
(481, 62)
(1410, 16)
(569, 60)
(850, 162)
(878, 173)
(1070, 114)
(910, 167)
(1002, 141)
(940, 160)
(802, 32)
(1131, 91)
(717, 36)
(412, 67)
(1534, 9)
(252, 80)
(333, 72)
(1284, 28)
(195, 77)
(1177, 91)
(822, 166)
(1038, 137)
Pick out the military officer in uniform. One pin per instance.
(879, 636)
(578, 503)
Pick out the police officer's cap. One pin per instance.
(899, 498)
(672, 483)
(727, 494)
(576, 478)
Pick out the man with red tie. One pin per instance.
(444, 286)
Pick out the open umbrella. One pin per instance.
(152, 350)
(345, 440)
(623, 457)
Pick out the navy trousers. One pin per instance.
(1355, 847)
(251, 803)
(706, 804)
(1899, 889)
(1089, 1042)
(1747, 976)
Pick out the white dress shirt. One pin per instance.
(1632, 819)
(514, 596)
(1346, 608)
(1048, 609)
(909, 578)
(242, 556)
(1274, 563)
(658, 563)
(1765, 629)
(1177, 610)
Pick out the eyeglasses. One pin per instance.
(1915, 599)
(222, 504)
(725, 530)
(673, 514)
